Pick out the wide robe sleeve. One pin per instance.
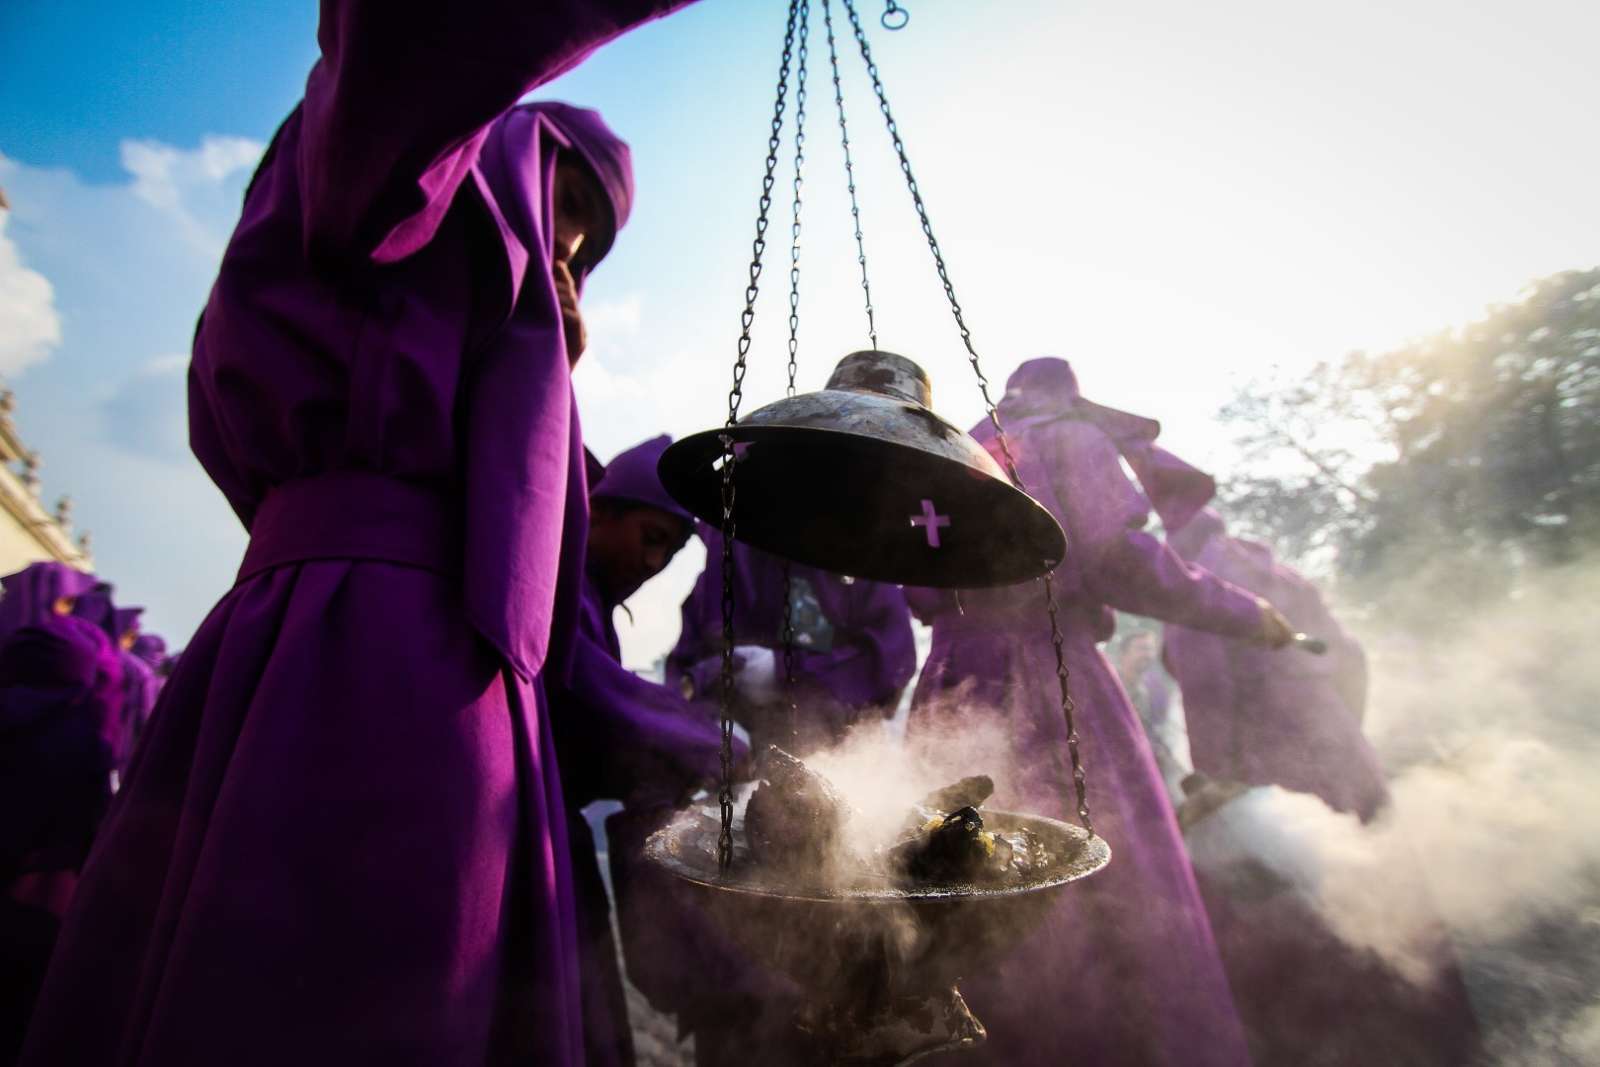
(1122, 565)
(396, 109)
(615, 730)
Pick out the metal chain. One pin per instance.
(735, 395)
(794, 343)
(799, 169)
(849, 171)
(889, 19)
(1068, 707)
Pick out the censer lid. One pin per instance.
(862, 478)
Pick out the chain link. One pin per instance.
(1068, 708)
(894, 16)
(735, 395)
(849, 171)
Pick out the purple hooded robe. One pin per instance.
(31, 593)
(1294, 720)
(151, 650)
(30, 600)
(622, 737)
(58, 684)
(1124, 970)
(139, 686)
(342, 838)
(854, 650)
(1265, 718)
(97, 608)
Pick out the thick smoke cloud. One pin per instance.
(1489, 727)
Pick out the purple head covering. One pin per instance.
(31, 593)
(124, 621)
(632, 476)
(1189, 539)
(95, 606)
(576, 129)
(1049, 386)
(151, 648)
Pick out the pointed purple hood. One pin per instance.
(31, 593)
(632, 476)
(1047, 388)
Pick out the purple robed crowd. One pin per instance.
(1125, 969)
(342, 837)
(350, 823)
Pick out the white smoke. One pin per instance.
(1493, 833)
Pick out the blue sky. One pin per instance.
(1175, 196)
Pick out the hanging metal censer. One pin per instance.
(862, 478)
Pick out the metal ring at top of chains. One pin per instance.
(889, 19)
(849, 172)
(1079, 779)
(758, 247)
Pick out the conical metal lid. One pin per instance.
(862, 478)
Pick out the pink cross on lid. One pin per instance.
(930, 520)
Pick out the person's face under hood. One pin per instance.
(629, 544)
(583, 229)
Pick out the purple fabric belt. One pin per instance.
(355, 515)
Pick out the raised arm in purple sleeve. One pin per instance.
(395, 110)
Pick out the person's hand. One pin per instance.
(572, 327)
(1275, 630)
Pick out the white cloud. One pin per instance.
(614, 318)
(147, 415)
(187, 183)
(30, 326)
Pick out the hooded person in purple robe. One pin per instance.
(342, 838)
(1124, 969)
(853, 648)
(121, 627)
(59, 683)
(81, 604)
(1294, 720)
(620, 736)
(139, 687)
(152, 649)
(39, 591)
(1264, 719)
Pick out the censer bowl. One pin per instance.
(867, 939)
